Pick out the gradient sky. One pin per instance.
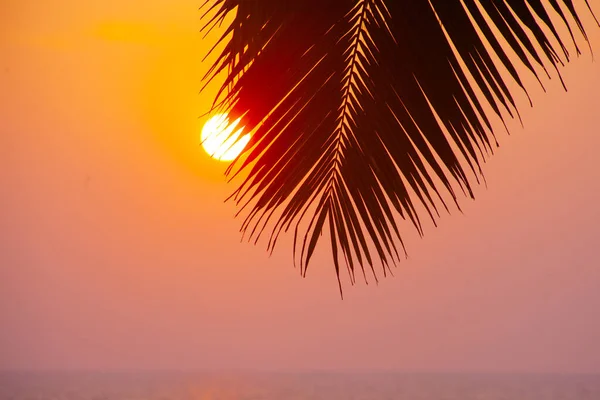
(117, 251)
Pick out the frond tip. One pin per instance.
(365, 110)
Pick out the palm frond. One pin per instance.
(365, 110)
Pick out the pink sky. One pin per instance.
(117, 251)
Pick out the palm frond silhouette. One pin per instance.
(366, 111)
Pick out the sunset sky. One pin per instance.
(118, 252)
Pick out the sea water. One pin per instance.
(294, 386)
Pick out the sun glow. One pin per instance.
(220, 141)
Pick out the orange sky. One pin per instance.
(117, 251)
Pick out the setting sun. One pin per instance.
(219, 140)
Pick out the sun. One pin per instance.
(219, 139)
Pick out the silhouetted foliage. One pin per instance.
(362, 108)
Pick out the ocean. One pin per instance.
(294, 386)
